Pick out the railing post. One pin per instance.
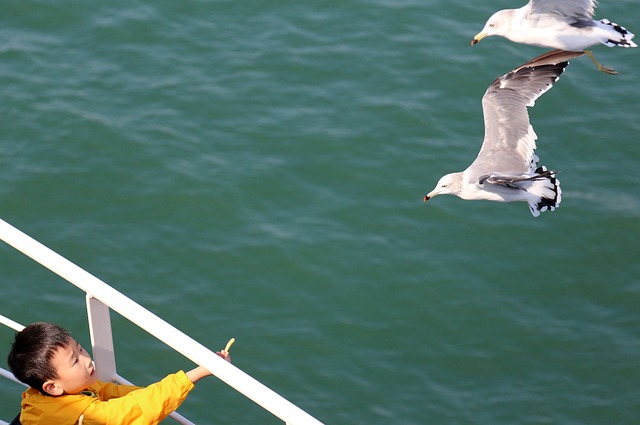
(101, 339)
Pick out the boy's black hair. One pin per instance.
(32, 351)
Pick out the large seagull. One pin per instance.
(506, 168)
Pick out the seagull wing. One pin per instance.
(579, 9)
(509, 140)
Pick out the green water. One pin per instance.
(257, 170)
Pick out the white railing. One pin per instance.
(102, 297)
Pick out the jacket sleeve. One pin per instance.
(142, 406)
(107, 390)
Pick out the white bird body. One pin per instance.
(471, 189)
(551, 30)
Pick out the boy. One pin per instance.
(65, 391)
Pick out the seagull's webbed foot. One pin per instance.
(600, 67)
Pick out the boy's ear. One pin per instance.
(51, 387)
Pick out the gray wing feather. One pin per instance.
(579, 9)
(509, 140)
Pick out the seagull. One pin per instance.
(557, 24)
(506, 168)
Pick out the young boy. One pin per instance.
(64, 388)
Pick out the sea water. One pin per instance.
(256, 170)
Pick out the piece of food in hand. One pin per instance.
(228, 346)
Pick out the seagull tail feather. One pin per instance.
(620, 36)
(546, 191)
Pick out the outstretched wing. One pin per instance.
(509, 140)
(579, 9)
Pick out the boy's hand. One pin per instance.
(225, 353)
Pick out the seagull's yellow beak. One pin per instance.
(430, 195)
(478, 37)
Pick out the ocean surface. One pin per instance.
(257, 169)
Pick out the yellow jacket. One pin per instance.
(110, 404)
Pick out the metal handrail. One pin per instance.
(163, 331)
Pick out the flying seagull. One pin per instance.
(506, 168)
(557, 24)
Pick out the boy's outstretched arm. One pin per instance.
(200, 372)
(197, 374)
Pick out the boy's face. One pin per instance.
(75, 370)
